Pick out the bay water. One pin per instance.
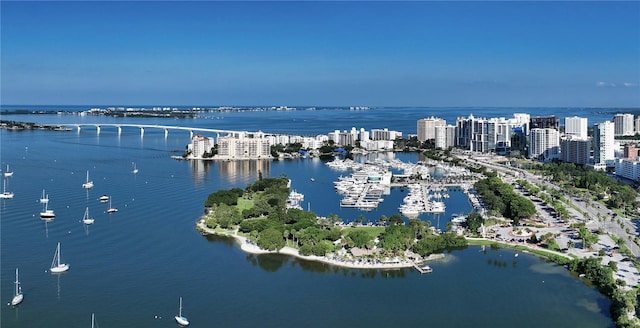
(131, 267)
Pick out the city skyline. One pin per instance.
(450, 54)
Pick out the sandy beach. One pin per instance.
(250, 247)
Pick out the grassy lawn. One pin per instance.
(372, 231)
(244, 204)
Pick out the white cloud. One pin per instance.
(630, 85)
(605, 84)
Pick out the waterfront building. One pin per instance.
(426, 128)
(576, 126)
(623, 124)
(545, 122)
(445, 136)
(385, 134)
(636, 125)
(200, 145)
(544, 143)
(488, 135)
(244, 146)
(628, 168)
(344, 138)
(377, 145)
(603, 145)
(575, 150)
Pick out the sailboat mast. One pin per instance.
(17, 282)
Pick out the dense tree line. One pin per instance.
(500, 198)
(598, 183)
(228, 197)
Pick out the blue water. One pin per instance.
(131, 267)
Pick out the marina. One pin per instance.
(365, 187)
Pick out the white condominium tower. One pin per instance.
(603, 143)
(576, 126)
(623, 124)
(544, 143)
(427, 128)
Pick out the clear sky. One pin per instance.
(583, 54)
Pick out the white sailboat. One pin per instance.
(5, 194)
(46, 212)
(89, 183)
(86, 219)
(93, 320)
(179, 318)
(8, 173)
(17, 297)
(56, 266)
(111, 209)
(135, 168)
(103, 198)
(44, 199)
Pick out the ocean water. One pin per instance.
(131, 267)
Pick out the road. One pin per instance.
(595, 211)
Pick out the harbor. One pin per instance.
(428, 184)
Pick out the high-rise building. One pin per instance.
(544, 144)
(575, 150)
(200, 145)
(576, 126)
(244, 147)
(603, 144)
(426, 128)
(445, 136)
(544, 122)
(488, 135)
(623, 124)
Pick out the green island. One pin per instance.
(257, 216)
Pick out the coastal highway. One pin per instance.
(594, 210)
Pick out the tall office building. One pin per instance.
(603, 144)
(623, 124)
(544, 144)
(427, 128)
(576, 126)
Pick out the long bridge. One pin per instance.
(166, 128)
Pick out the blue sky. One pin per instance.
(583, 54)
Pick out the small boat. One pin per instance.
(46, 212)
(111, 209)
(8, 173)
(313, 179)
(5, 194)
(135, 169)
(56, 265)
(44, 199)
(89, 183)
(103, 198)
(426, 269)
(179, 318)
(17, 297)
(86, 219)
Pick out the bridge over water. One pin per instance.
(166, 128)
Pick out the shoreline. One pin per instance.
(247, 246)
